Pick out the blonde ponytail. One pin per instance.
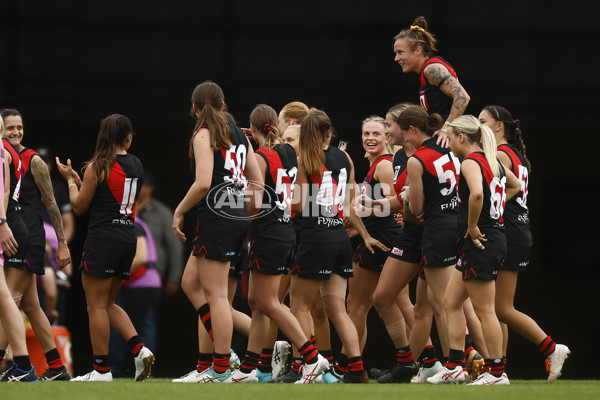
(476, 132)
(488, 144)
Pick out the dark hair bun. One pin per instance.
(435, 121)
(421, 21)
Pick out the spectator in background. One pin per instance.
(169, 251)
(137, 296)
(48, 288)
(54, 284)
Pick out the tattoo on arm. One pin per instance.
(438, 75)
(39, 169)
(459, 96)
(435, 73)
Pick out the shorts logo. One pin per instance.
(109, 271)
(397, 252)
(230, 253)
(325, 272)
(449, 258)
(227, 199)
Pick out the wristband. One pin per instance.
(399, 197)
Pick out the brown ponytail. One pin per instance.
(417, 117)
(264, 118)
(209, 100)
(113, 132)
(312, 137)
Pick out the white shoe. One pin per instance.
(425, 373)
(281, 354)
(445, 375)
(488, 379)
(191, 377)
(415, 378)
(94, 376)
(555, 361)
(234, 360)
(311, 371)
(238, 376)
(143, 364)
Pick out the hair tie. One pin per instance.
(268, 127)
(516, 124)
(417, 28)
(208, 102)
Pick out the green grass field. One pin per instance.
(164, 389)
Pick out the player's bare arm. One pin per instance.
(438, 75)
(39, 169)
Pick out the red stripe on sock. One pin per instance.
(136, 349)
(340, 369)
(247, 366)
(203, 365)
(264, 361)
(55, 364)
(547, 346)
(296, 364)
(497, 371)
(309, 353)
(405, 357)
(249, 362)
(220, 365)
(428, 363)
(310, 358)
(430, 356)
(266, 357)
(487, 364)
(454, 364)
(356, 366)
